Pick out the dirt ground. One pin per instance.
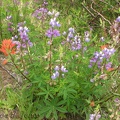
(6, 80)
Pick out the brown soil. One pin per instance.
(6, 80)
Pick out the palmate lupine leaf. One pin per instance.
(51, 108)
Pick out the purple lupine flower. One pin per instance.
(41, 13)
(63, 69)
(74, 40)
(99, 56)
(50, 13)
(49, 33)
(86, 36)
(70, 35)
(10, 29)
(71, 30)
(14, 38)
(87, 39)
(45, 3)
(30, 43)
(52, 32)
(18, 44)
(56, 33)
(108, 52)
(57, 74)
(117, 100)
(108, 65)
(93, 60)
(9, 17)
(57, 14)
(118, 19)
(24, 45)
(23, 33)
(102, 39)
(9, 24)
(75, 46)
(53, 77)
(21, 24)
(58, 69)
(95, 116)
(54, 23)
(54, 13)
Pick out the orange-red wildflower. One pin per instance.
(4, 62)
(110, 69)
(7, 47)
(103, 47)
(92, 104)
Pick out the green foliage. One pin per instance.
(72, 94)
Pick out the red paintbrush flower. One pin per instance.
(4, 62)
(103, 47)
(110, 69)
(92, 104)
(7, 47)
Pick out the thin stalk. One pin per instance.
(18, 68)
(50, 62)
(21, 56)
(22, 59)
(29, 54)
(1, 19)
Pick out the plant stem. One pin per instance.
(18, 68)
(1, 19)
(50, 62)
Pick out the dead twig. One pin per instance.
(11, 74)
(88, 10)
(100, 14)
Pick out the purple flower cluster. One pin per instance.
(23, 32)
(117, 102)
(23, 35)
(76, 43)
(100, 56)
(86, 37)
(41, 13)
(118, 19)
(71, 32)
(52, 32)
(57, 72)
(9, 24)
(74, 40)
(54, 23)
(95, 116)
(115, 31)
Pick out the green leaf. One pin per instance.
(61, 102)
(49, 113)
(60, 109)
